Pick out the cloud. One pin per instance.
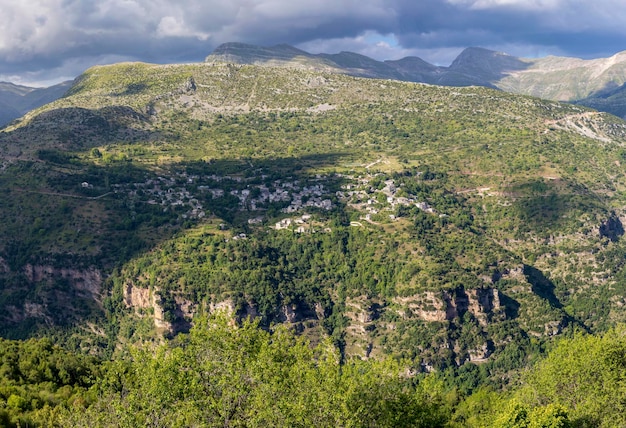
(59, 72)
(42, 38)
(537, 5)
(170, 26)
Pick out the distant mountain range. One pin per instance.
(597, 83)
(15, 100)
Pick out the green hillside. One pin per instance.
(223, 375)
(449, 227)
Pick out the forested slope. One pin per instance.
(221, 375)
(456, 229)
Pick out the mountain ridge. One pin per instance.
(556, 78)
(16, 100)
(586, 82)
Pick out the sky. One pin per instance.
(43, 42)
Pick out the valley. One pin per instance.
(456, 232)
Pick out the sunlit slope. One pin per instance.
(443, 224)
(472, 130)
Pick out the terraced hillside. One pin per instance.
(444, 225)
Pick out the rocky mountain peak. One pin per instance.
(486, 64)
(242, 53)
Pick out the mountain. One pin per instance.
(241, 53)
(442, 225)
(567, 79)
(482, 67)
(7, 113)
(15, 100)
(557, 78)
(404, 228)
(284, 55)
(612, 100)
(414, 69)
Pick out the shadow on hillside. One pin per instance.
(545, 206)
(610, 99)
(133, 89)
(102, 216)
(256, 174)
(511, 306)
(148, 204)
(542, 286)
(75, 128)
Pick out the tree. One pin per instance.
(580, 383)
(230, 375)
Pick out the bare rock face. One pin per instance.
(449, 305)
(470, 310)
(59, 296)
(362, 314)
(227, 306)
(481, 354)
(136, 297)
(479, 302)
(428, 306)
(483, 301)
(288, 313)
(171, 321)
(362, 310)
(190, 85)
(160, 321)
(86, 281)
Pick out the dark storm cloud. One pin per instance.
(45, 40)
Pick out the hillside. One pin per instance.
(594, 83)
(443, 225)
(587, 82)
(15, 100)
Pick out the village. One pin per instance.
(192, 197)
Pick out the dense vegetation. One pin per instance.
(226, 375)
(450, 231)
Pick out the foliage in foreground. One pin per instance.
(581, 383)
(223, 374)
(37, 379)
(586, 376)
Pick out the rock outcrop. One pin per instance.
(448, 305)
(87, 282)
